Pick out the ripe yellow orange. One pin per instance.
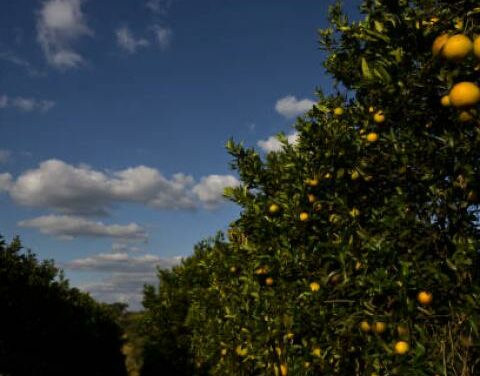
(439, 43)
(476, 47)
(311, 198)
(371, 109)
(465, 94)
(457, 47)
(445, 101)
(379, 327)
(465, 116)
(365, 326)
(283, 369)
(317, 352)
(338, 111)
(401, 347)
(372, 137)
(425, 297)
(269, 281)
(314, 286)
(304, 216)
(379, 117)
(274, 208)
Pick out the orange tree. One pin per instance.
(49, 328)
(356, 251)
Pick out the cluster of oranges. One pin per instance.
(378, 117)
(400, 347)
(463, 95)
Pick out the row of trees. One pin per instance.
(356, 251)
(49, 328)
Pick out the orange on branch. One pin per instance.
(425, 297)
(401, 347)
(304, 216)
(439, 43)
(457, 47)
(465, 94)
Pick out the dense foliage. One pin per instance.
(356, 252)
(48, 328)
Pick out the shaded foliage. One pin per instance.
(48, 328)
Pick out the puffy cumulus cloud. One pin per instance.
(163, 35)
(69, 227)
(4, 155)
(127, 41)
(125, 275)
(210, 189)
(273, 144)
(82, 190)
(60, 23)
(25, 104)
(5, 182)
(290, 106)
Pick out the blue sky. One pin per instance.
(114, 115)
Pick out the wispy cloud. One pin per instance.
(26, 104)
(82, 190)
(163, 35)
(60, 23)
(160, 7)
(290, 106)
(16, 60)
(127, 41)
(69, 227)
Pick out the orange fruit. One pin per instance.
(312, 182)
(439, 43)
(401, 347)
(314, 286)
(379, 327)
(476, 47)
(304, 216)
(465, 116)
(465, 94)
(372, 137)
(317, 352)
(269, 281)
(445, 101)
(274, 208)
(283, 369)
(425, 297)
(338, 111)
(365, 326)
(457, 47)
(379, 117)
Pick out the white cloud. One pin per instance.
(16, 60)
(26, 104)
(210, 189)
(83, 190)
(290, 106)
(126, 276)
(4, 155)
(128, 42)
(60, 24)
(273, 144)
(163, 35)
(5, 182)
(159, 6)
(69, 227)
(123, 262)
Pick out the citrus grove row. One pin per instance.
(357, 248)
